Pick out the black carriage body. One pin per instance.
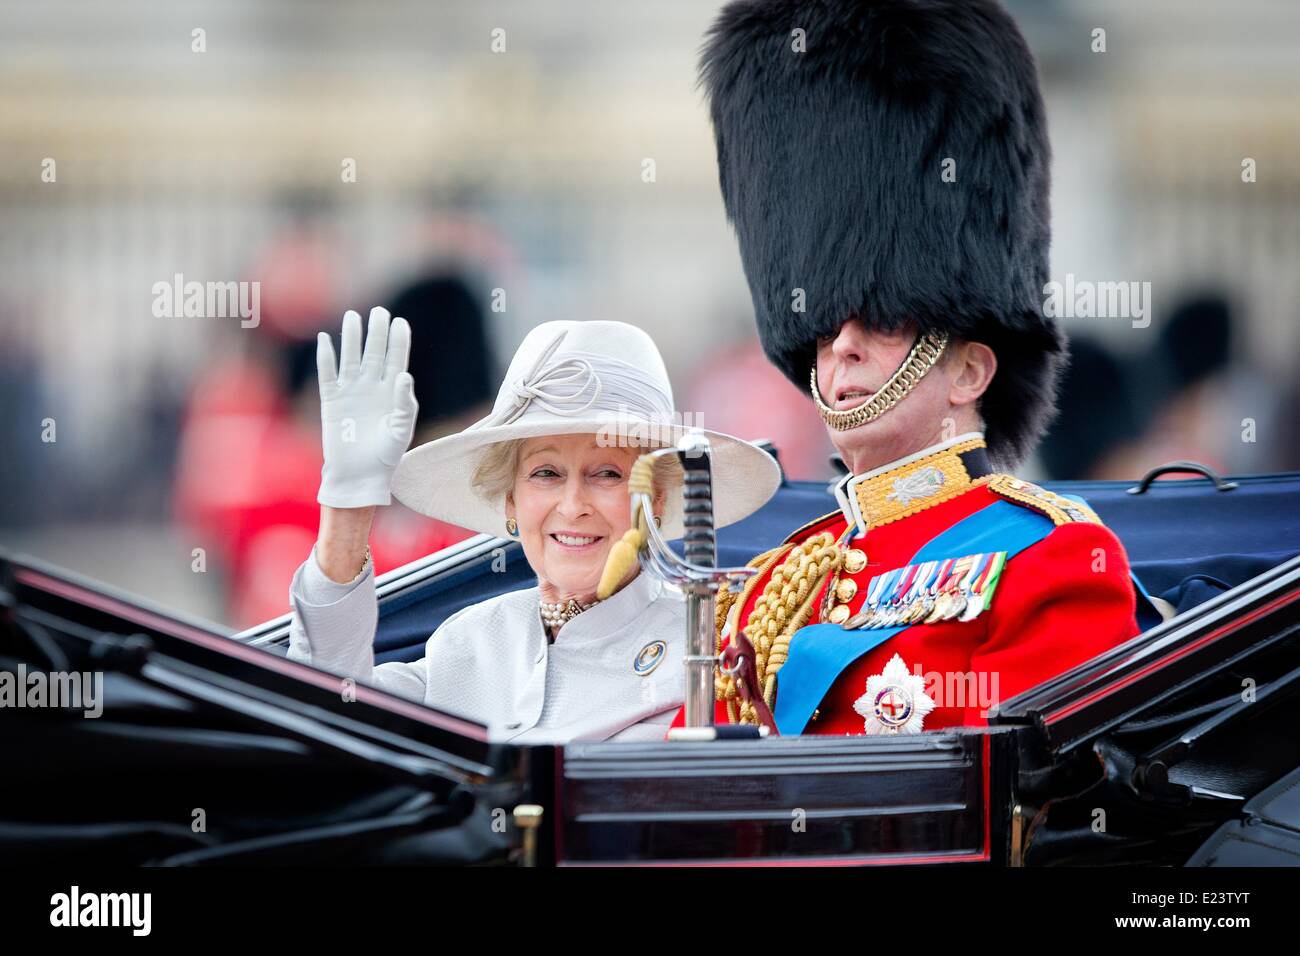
(1136, 757)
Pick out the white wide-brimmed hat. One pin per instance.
(568, 377)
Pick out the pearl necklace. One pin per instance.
(558, 614)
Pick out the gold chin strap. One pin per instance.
(920, 360)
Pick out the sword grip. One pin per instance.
(699, 542)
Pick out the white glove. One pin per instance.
(367, 410)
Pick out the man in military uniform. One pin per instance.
(885, 165)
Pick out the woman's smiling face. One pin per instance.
(570, 500)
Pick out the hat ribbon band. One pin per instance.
(555, 388)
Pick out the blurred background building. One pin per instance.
(484, 166)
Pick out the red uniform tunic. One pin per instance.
(1060, 602)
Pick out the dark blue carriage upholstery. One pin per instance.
(1186, 541)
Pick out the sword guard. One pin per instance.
(738, 659)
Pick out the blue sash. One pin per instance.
(819, 653)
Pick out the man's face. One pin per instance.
(853, 364)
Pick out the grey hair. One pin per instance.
(494, 477)
(498, 467)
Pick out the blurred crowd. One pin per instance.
(237, 455)
(1190, 396)
(249, 456)
(572, 173)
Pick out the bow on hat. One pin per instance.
(540, 385)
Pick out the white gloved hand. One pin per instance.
(367, 410)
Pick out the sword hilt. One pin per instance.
(694, 571)
(699, 541)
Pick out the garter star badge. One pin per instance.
(895, 701)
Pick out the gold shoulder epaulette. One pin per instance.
(799, 531)
(1060, 509)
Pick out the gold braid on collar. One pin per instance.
(921, 484)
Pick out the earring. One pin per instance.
(512, 527)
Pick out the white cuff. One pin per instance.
(317, 588)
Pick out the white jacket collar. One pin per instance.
(615, 612)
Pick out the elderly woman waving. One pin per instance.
(548, 466)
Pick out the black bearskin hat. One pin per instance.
(834, 167)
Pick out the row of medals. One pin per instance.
(954, 602)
